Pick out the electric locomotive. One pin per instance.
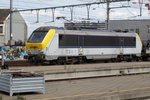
(61, 46)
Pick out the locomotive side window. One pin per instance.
(109, 41)
(37, 36)
(74, 41)
(129, 41)
(68, 41)
(103, 41)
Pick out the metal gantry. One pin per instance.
(75, 5)
(71, 8)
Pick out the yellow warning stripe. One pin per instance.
(138, 37)
(48, 38)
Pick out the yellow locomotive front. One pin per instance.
(37, 43)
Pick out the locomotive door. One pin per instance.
(80, 44)
(121, 47)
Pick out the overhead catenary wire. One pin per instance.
(74, 5)
(67, 12)
(28, 2)
(71, 6)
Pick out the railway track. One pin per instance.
(121, 71)
(20, 63)
(62, 72)
(14, 63)
(80, 71)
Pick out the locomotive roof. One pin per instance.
(95, 32)
(46, 28)
(85, 32)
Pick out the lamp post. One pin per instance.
(10, 23)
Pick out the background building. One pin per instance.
(19, 27)
(141, 26)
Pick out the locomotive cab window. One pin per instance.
(37, 36)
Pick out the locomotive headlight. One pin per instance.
(41, 52)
